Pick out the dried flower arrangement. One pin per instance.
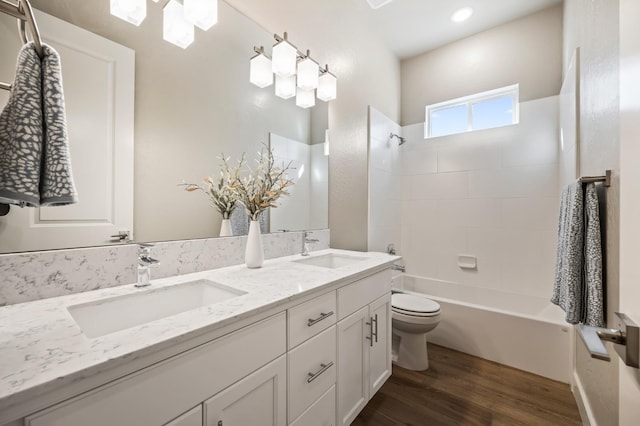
(261, 187)
(221, 193)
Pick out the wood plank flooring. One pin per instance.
(460, 389)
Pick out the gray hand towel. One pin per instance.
(578, 287)
(35, 164)
(593, 287)
(567, 291)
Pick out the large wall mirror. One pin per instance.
(182, 109)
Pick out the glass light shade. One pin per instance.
(175, 29)
(283, 60)
(201, 13)
(308, 71)
(260, 72)
(286, 86)
(327, 87)
(305, 98)
(132, 11)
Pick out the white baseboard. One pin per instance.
(586, 414)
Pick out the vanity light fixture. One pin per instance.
(305, 98)
(327, 86)
(179, 18)
(202, 13)
(260, 72)
(286, 86)
(175, 28)
(296, 73)
(284, 58)
(132, 11)
(308, 70)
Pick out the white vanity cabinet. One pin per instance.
(158, 394)
(258, 399)
(364, 343)
(316, 364)
(312, 361)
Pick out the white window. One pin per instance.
(486, 110)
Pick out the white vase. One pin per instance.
(254, 254)
(225, 228)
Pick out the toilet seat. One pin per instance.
(412, 305)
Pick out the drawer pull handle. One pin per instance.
(324, 367)
(370, 336)
(311, 322)
(375, 333)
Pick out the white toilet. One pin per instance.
(412, 317)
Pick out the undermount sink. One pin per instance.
(118, 313)
(331, 260)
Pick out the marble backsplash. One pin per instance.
(37, 275)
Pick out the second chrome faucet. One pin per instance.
(306, 241)
(145, 263)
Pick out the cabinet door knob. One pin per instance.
(370, 336)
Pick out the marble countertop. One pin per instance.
(42, 348)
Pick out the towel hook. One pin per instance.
(25, 8)
(24, 13)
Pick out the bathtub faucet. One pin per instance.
(400, 268)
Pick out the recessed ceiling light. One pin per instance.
(462, 15)
(375, 4)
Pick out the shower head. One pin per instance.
(401, 140)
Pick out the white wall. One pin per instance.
(490, 194)
(594, 27)
(385, 184)
(526, 51)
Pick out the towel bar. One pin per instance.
(627, 334)
(606, 179)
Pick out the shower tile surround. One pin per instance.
(492, 194)
(38, 275)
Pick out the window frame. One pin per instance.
(469, 101)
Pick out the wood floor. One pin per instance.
(459, 389)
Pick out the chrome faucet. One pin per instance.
(305, 243)
(145, 263)
(400, 268)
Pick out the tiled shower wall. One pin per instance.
(492, 194)
(385, 183)
(37, 275)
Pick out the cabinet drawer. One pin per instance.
(310, 318)
(312, 371)
(157, 394)
(362, 292)
(321, 413)
(190, 418)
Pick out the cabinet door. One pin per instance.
(353, 365)
(258, 400)
(190, 418)
(380, 352)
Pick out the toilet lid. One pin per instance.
(414, 305)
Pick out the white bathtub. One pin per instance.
(525, 332)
